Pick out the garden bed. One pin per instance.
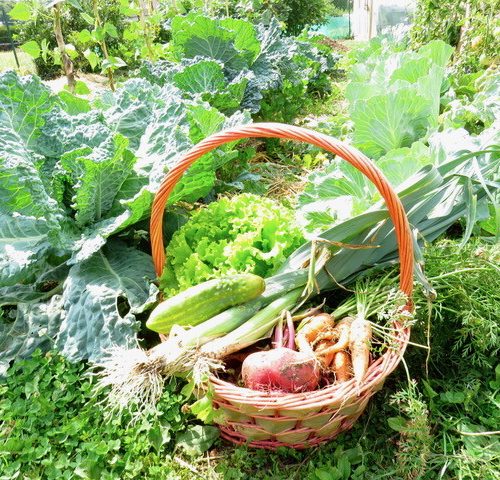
(78, 176)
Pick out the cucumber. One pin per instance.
(201, 302)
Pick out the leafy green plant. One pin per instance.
(462, 332)
(234, 64)
(473, 101)
(83, 47)
(297, 14)
(294, 15)
(241, 234)
(52, 426)
(98, 37)
(395, 96)
(70, 179)
(415, 443)
(63, 53)
(472, 27)
(339, 191)
(142, 39)
(465, 302)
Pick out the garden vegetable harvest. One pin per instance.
(136, 374)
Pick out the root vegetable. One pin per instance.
(314, 327)
(359, 345)
(342, 332)
(342, 366)
(324, 359)
(281, 369)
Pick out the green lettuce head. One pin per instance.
(242, 234)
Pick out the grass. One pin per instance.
(8, 62)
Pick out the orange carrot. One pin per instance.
(324, 359)
(342, 366)
(308, 334)
(342, 332)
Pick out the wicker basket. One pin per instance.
(298, 420)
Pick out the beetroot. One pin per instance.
(281, 369)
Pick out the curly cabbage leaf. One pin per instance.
(34, 326)
(101, 298)
(232, 63)
(71, 179)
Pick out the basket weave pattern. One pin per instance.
(297, 420)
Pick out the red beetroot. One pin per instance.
(281, 369)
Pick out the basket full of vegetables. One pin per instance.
(302, 375)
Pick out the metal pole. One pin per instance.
(5, 20)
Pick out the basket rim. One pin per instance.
(377, 372)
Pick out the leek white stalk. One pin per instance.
(253, 330)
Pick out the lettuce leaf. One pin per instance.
(245, 233)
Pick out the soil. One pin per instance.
(95, 83)
(336, 45)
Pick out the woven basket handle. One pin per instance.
(280, 130)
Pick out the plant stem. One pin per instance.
(145, 28)
(455, 272)
(478, 434)
(67, 63)
(103, 45)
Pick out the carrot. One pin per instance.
(342, 332)
(359, 345)
(324, 359)
(315, 326)
(342, 366)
